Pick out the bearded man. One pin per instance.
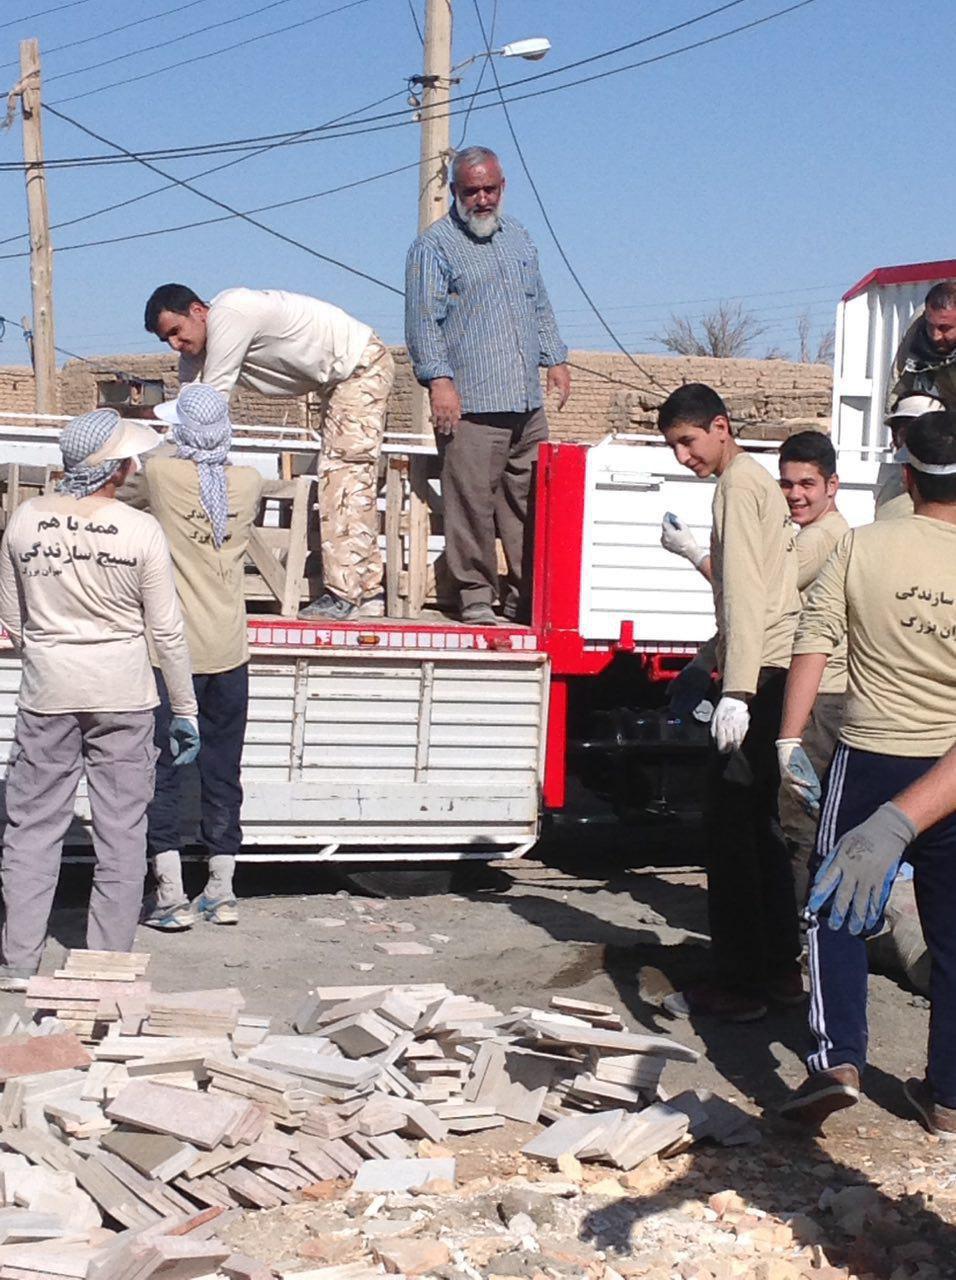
(479, 325)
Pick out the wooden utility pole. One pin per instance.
(41, 248)
(434, 160)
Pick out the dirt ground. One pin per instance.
(585, 927)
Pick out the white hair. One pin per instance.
(469, 158)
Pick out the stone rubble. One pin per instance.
(172, 1135)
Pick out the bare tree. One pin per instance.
(823, 353)
(724, 333)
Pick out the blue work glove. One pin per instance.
(859, 871)
(798, 775)
(688, 689)
(183, 739)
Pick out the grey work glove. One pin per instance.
(183, 739)
(798, 775)
(859, 871)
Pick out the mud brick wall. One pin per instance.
(768, 399)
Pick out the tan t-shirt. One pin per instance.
(815, 544)
(275, 343)
(754, 565)
(209, 579)
(890, 588)
(81, 581)
(892, 500)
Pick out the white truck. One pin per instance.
(422, 740)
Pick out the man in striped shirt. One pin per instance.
(479, 325)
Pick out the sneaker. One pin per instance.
(216, 911)
(710, 1000)
(170, 919)
(821, 1094)
(372, 607)
(328, 608)
(479, 614)
(14, 979)
(938, 1120)
(788, 991)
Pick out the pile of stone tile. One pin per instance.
(123, 1146)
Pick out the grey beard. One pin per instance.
(482, 228)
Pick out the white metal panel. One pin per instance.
(442, 751)
(627, 576)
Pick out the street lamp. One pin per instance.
(532, 50)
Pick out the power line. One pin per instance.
(226, 217)
(418, 25)
(381, 120)
(221, 204)
(547, 222)
(5, 320)
(213, 53)
(481, 76)
(101, 35)
(28, 17)
(163, 44)
(169, 186)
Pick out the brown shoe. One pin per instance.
(938, 1120)
(709, 1000)
(821, 1094)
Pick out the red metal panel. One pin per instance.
(556, 746)
(910, 273)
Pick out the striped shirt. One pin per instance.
(477, 311)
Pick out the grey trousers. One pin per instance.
(799, 827)
(487, 473)
(49, 753)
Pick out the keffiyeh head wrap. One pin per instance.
(79, 440)
(203, 434)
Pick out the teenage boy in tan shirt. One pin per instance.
(753, 917)
(890, 588)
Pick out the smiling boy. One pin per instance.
(753, 918)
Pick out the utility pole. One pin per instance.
(41, 248)
(434, 160)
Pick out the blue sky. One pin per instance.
(777, 166)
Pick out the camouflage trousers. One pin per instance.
(352, 426)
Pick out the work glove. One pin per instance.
(859, 871)
(798, 775)
(676, 537)
(689, 688)
(730, 724)
(183, 739)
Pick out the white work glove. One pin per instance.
(798, 775)
(730, 724)
(859, 871)
(676, 537)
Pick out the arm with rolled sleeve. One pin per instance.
(742, 624)
(820, 630)
(229, 334)
(553, 350)
(11, 610)
(426, 305)
(164, 621)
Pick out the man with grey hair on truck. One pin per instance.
(479, 326)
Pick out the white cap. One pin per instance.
(103, 436)
(198, 406)
(914, 406)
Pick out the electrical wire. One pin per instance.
(481, 76)
(101, 35)
(381, 120)
(418, 25)
(169, 186)
(28, 17)
(221, 204)
(5, 320)
(164, 44)
(226, 217)
(554, 235)
(214, 53)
